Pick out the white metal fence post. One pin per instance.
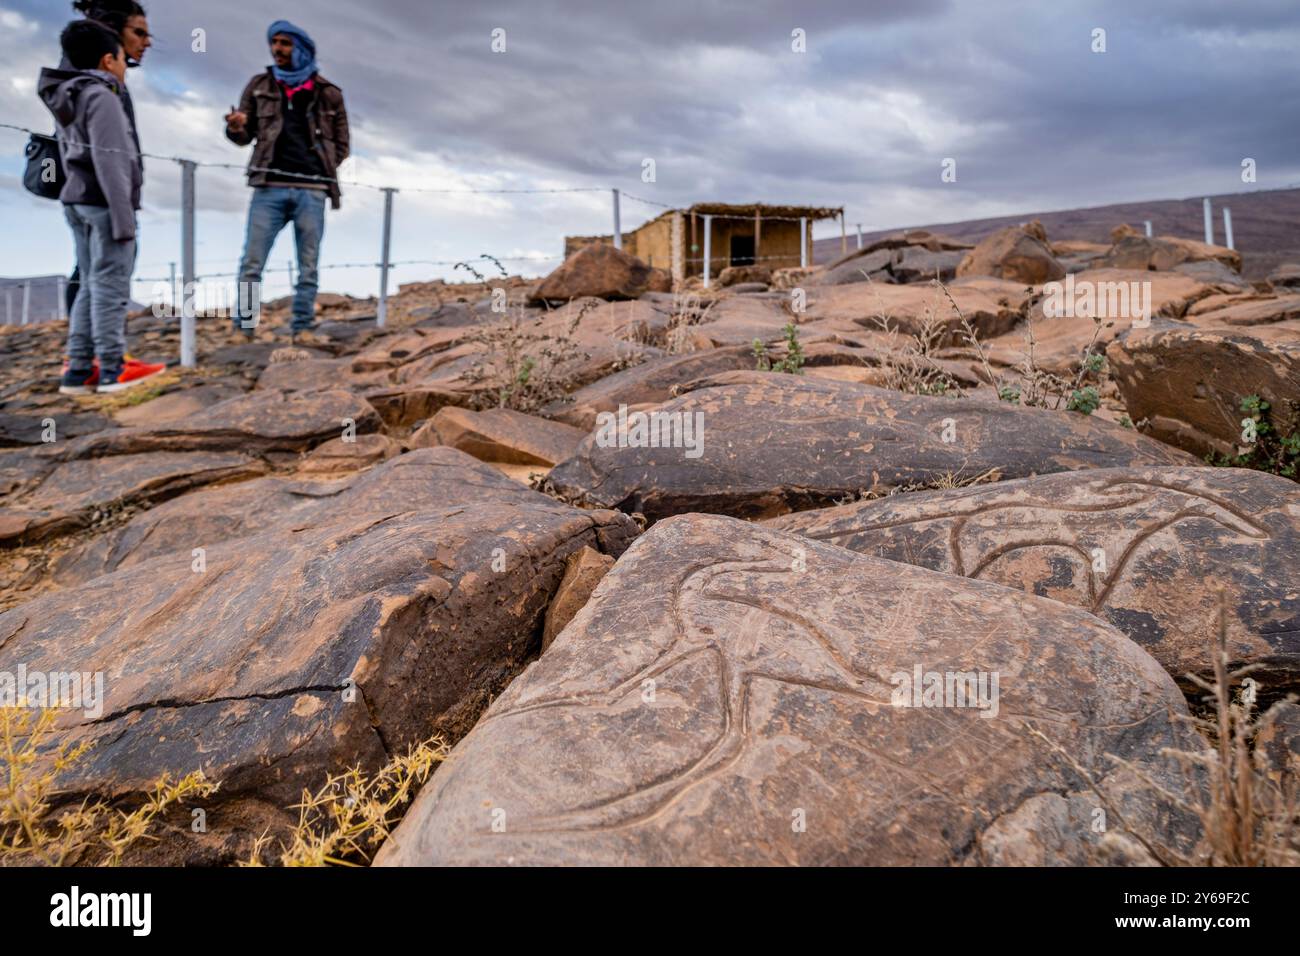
(1227, 227)
(27, 299)
(1148, 225)
(1209, 221)
(859, 235)
(61, 292)
(708, 246)
(381, 314)
(188, 331)
(618, 222)
(803, 242)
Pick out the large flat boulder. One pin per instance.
(739, 319)
(649, 383)
(570, 347)
(259, 422)
(1146, 549)
(991, 306)
(775, 443)
(32, 426)
(73, 493)
(1165, 252)
(292, 654)
(735, 696)
(1188, 382)
(178, 405)
(424, 480)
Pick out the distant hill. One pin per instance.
(1265, 225)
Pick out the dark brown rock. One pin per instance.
(743, 275)
(873, 265)
(1016, 253)
(598, 270)
(648, 383)
(73, 492)
(1147, 550)
(259, 422)
(294, 655)
(425, 480)
(735, 696)
(32, 427)
(918, 264)
(779, 443)
(1188, 383)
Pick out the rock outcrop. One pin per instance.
(776, 443)
(1148, 550)
(731, 695)
(1187, 384)
(293, 654)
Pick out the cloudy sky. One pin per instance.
(710, 90)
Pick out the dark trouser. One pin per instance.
(97, 321)
(273, 208)
(74, 286)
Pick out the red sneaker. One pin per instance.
(133, 372)
(80, 383)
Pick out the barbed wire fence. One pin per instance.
(186, 271)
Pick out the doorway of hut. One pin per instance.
(742, 251)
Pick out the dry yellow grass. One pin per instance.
(90, 833)
(345, 821)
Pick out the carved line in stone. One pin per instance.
(664, 792)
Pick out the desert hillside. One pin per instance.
(926, 555)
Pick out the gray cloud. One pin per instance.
(711, 90)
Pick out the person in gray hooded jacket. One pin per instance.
(103, 175)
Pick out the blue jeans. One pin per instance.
(273, 208)
(97, 323)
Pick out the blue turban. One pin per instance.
(304, 53)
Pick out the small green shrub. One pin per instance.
(1085, 400)
(791, 364)
(1269, 448)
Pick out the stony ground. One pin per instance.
(898, 571)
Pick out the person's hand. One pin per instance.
(236, 121)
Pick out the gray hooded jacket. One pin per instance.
(88, 107)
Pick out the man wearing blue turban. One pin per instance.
(297, 121)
